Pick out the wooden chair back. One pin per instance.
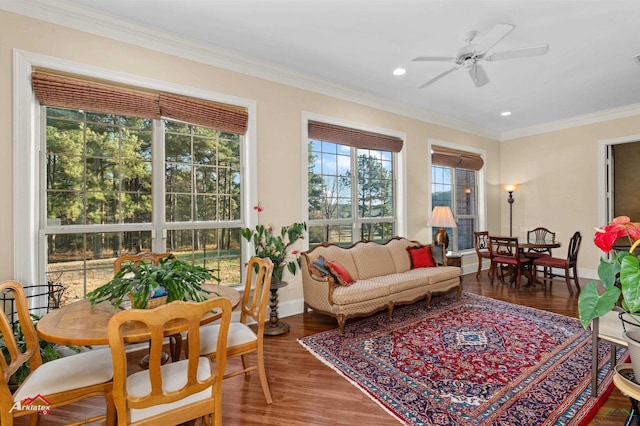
(481, 241)
(255, 297)
(139, 258)
(179, 317)
(58, 391)
(481, 245)
(504, 247)
(17, 356)
(574, 248)
(540, 235)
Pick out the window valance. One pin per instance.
(457, 159)
(353, 137)
(70, 92)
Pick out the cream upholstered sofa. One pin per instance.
(383, 277)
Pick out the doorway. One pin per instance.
(624, 160)
(616, 180)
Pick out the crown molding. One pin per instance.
(581, 120)
(71, 16)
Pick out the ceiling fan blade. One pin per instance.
(524, 52)
(433, 59)
(438, 77)
(478, 75)
(496, 34)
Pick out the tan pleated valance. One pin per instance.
(70, 92)
(66, 92)
(353, 137)
(457, 159)
(222, 117)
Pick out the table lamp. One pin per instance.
(442, 218)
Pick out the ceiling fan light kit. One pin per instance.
(468, 56)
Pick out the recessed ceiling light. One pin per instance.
(399, 71)
(505, 113)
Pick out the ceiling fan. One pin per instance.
(469, 55)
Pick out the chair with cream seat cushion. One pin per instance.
(242, 339)
(58, 382)
(176, 392)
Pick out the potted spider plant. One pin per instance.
(148, 285)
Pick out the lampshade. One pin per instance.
(441, 217)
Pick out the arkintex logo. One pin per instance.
(37, 403)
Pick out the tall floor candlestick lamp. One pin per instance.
(441, 217)
(510, 200)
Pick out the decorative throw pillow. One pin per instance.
(421, 257)
(319, 267)
(340, 273)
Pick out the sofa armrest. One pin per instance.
(318, 292)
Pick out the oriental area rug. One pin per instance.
(477, 361)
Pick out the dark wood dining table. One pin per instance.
(83, 324)
(542, 245)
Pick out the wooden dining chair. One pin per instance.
(540, 235)
(243, 340)
(55, 383)
(138, 258)
(481, 245)
(176, 392)
(569, 264)
(505, 251)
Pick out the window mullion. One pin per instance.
(159, 233)
(354, 192)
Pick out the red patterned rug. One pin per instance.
(478, 361)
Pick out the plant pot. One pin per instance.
(154, 302)
(633, 341)
(629, 322)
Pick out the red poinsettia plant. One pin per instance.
(619, 273)
(276, 246)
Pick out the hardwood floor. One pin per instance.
(307, 392)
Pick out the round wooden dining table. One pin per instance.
(82, 324)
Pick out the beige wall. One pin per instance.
(556, 171)
(558, 183)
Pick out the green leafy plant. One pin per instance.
(48, 351)
(619, 275)
(266, 243)
(142, 281)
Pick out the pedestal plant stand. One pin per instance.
(275, 327)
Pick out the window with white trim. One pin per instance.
(101, 192)
(114, 183)
(350, 188)
(455, 182)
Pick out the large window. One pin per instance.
(107, 169)
(350, 191)
(101, 192)
(455, 180)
